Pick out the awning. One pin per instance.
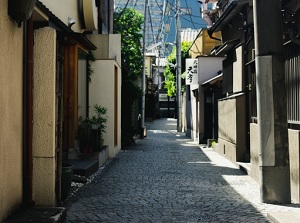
(213, 80)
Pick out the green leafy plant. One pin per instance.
(100, 117)
(128, 22)
(90, 71)
(213, 144)
(90, 131)
(170, 71)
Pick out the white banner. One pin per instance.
(191, 72)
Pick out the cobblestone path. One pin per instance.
(167, 178)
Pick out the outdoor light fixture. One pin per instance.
(71, 22)
(20, 10)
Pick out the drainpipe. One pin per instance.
(205, 13)
(246, 83)
(212, 37)
(27, 116)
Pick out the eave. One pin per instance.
(59, 25)
(231, 11)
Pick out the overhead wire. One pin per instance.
(173, 8)
(151, 27)
(160, 34)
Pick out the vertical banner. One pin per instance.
(191, 72)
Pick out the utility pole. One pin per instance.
(271, 102)
(178, 63)
(142, 127)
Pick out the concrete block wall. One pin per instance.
(43, 142)
(254, 152)
(294, 150)
(232, 128)
(294, 155)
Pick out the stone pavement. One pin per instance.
(168, 178)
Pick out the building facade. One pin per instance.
(243, 110)
(45, 89)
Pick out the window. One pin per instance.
(82, 84)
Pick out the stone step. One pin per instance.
(84, 167)
(39, 214)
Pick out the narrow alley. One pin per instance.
(167, 178)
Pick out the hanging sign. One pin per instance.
(191, 72)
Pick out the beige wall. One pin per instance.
(64, 9)
(102, 92)
(43, 141)
(108, 58)
(11, 87)
(203, 44)
(232, 128)
(108, 46)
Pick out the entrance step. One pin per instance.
(39, 214)
(84, 167)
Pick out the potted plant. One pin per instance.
(100, 119)
(90, 131)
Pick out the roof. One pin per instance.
(189, 35)
(233, 8)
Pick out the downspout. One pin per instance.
(206, 18)
(228, 10)
(246, 86)
(205, 14)
(27, 114)
(212, 37)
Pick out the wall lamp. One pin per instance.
(71, 22)
(20, 10)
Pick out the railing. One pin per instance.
(292, 80)
(292, 77)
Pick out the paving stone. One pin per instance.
(166, 177)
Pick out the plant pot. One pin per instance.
(95, 126)
(66, 180)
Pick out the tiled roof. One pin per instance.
(189, 35)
